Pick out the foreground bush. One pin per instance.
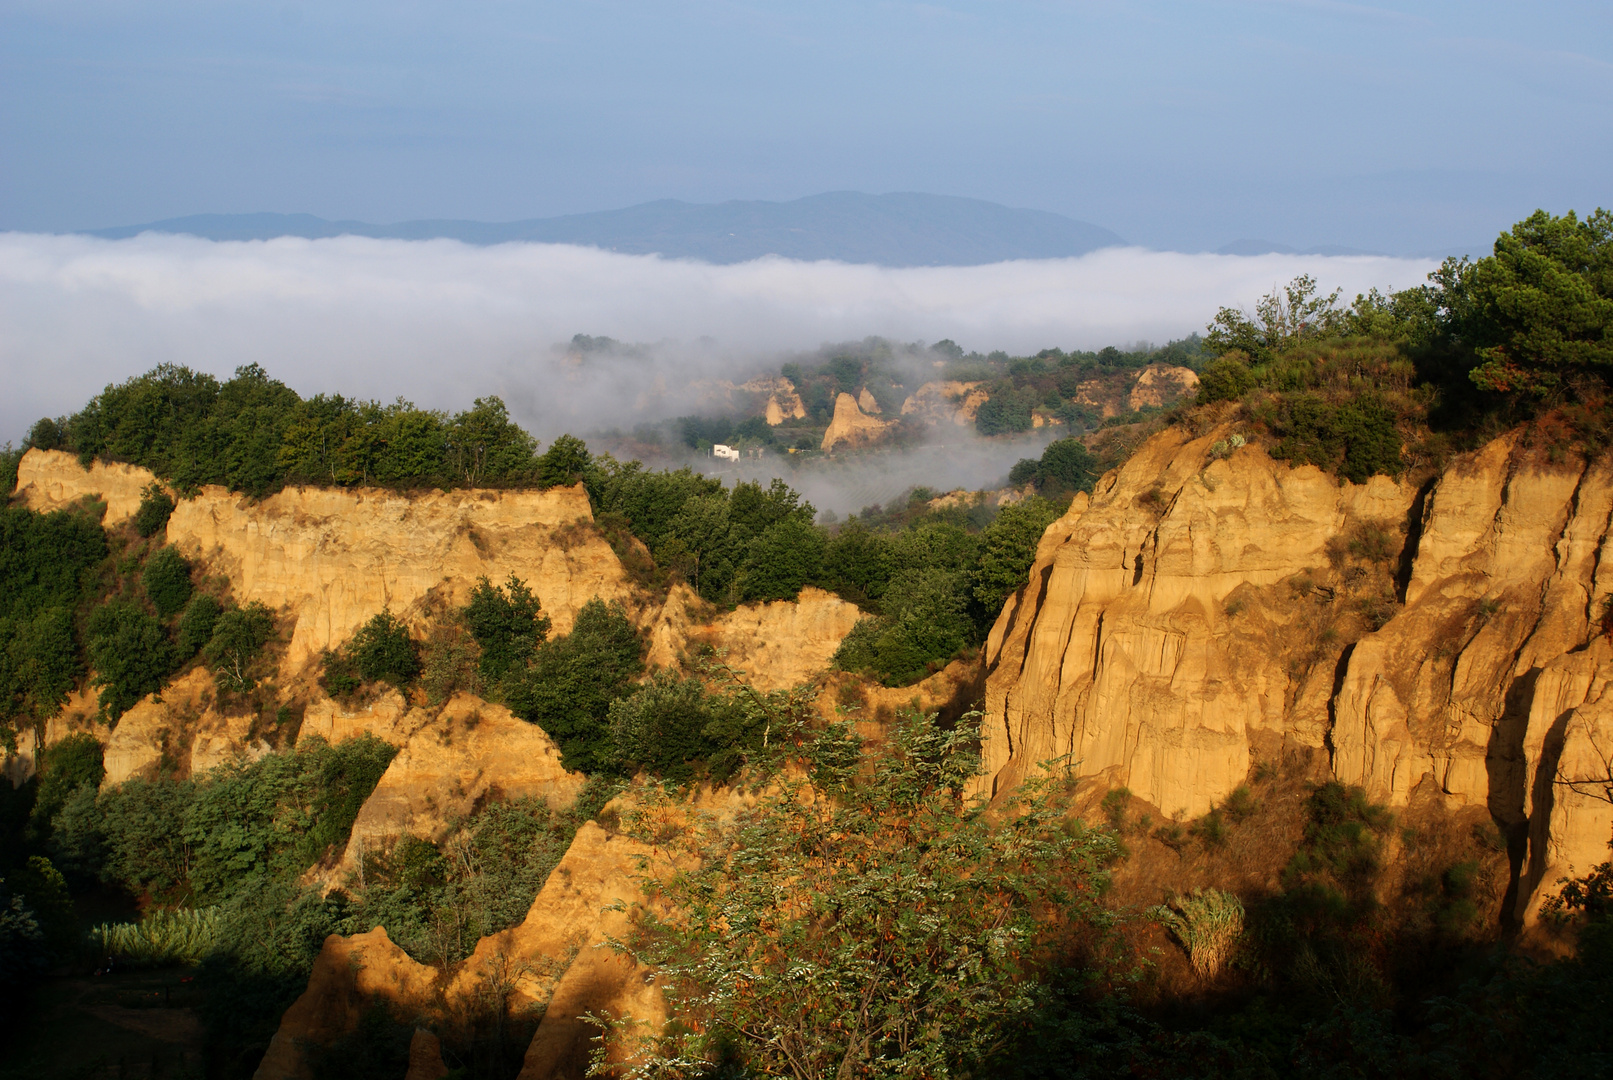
(879, 925)
(180, 936)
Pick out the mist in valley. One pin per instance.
(441, 323)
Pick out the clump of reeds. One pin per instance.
(178, 936)
(1208, 923)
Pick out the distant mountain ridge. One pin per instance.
(900, 229)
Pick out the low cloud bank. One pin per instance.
(441, 322)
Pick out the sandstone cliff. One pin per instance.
(330, 559)
(946, 403)
(850, 427)
(555, 963)
(1201, 612)
(470, 754)
(777, 645)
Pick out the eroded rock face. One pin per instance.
(469, 754)
(181, 727)
(1161, 385)
(850, 426)
(350, 974)
(777, 645)
(554, 958)
(331, 559)
(946, 403)
(1199, 613)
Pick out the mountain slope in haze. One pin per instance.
(900, 229)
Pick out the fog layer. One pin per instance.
(441, 322)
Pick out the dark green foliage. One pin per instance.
(436, 908)
(565, 462)
(197, 623)
(925, 621)
(1226, 378)
(166, 580)
(484, 443)
(238, 638)
(662, 727)
(337, 674)
(1007, 549)
(508, 625)
(382, 649)
(1540, 307)
(129, 652)
(856, 564)
(66, 766)
(254, 434)
(1007, 411)
(24, 952)
(787, 555)
(10, 459)
(46, 559)
(1357, 439)
(1065, 467)
(716, 539)
(156, 507)
(242, 825)
(39, 662)
(568, 689)
(44, 890)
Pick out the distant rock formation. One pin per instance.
(946, 403)
(850, 427)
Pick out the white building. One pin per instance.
(722, 451)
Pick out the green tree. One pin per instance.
(573, 679)
(129, 652)
(166, 580)
(197, 623)
(1540, 307)
(64, 767)
(856, 563)
(484, 444)
(156, 507)
(1282, 318)
(1007, 549)
(565, 462)
(508, 624)
(237, 641)
(382, 649)
(786, 556)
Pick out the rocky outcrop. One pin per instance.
(182, 729)
(555, 962)
(866, 402)
(783, 401)
(1203, 611)
(350, 975)
(777, 645)
(1160, 386)
(850, 427)
(470, 754)
(946, 403)
(330, 559)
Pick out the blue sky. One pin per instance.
(1404, 127)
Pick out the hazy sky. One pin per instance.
(1401, 127)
